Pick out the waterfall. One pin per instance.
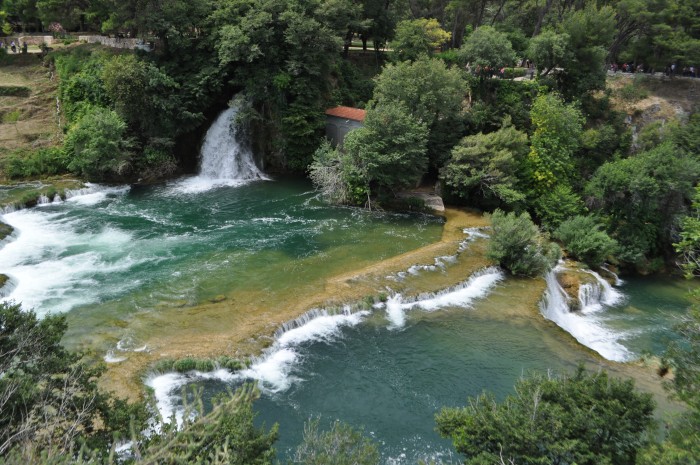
(224, 154)
(226, 158)
(593, 296)
(463, 294)
(585, 326)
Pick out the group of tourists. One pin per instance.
(14, 47)
(670, 70)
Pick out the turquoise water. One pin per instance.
(114, 257)
(392, 382)
(110, 254)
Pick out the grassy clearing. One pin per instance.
(27, 104)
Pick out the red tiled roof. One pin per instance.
(355, 114)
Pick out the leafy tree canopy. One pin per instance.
(587, 419)
(417, 37)
(487, 47)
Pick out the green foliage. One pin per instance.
(417, 37)
(487, 47)
(49, 396)
(328, 173)
(433, 94)
(226, 435)
(558, 127)
(556, 205)
(96, 147)
(591, 31)
(144, 96)
(41, 162)
(642, 196)
(483, 169)
(341, 445)
(80, 84)
(585, 240)
(390, 150)
(633, 92)
(688, 247)
(187, 364)
(580, 418)
(549, 50)
(518, 245)
(14, 91)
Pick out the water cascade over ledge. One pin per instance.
(226, 157)
(584, 325)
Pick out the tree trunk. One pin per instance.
(540, 19)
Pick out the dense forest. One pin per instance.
(502, 104)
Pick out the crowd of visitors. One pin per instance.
(670, 70)
(13, 47)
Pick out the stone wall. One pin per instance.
(116, 42)
(30, 40)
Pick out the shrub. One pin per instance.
(585, 240)
(14, 91)
(519, 246)
(581, 418)
(41, 162)
(96, 145)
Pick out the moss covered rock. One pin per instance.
(571, 281)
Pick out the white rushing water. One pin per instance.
(274, 370)
(52, 261)
(586, 325)
(226, 158)
(462, 295)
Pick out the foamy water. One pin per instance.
(273, 370)
(226, 159)
(463, 295)
(586, 326)
(53, 261)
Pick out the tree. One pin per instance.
(558, 127)
(145, 97)
(432, 93)
(225, 435)
(96, 145)
(484, 168)
(587, 419)
(585, 240)
(641, 198)
(487, 48)
(591, 31)
(548, 51)
(389, 152)
(689, 244)
(518, 245)
(417, 37)
(341, 445)
(48, 396)
(327, 172)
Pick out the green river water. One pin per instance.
(129, 265)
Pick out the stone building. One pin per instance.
(340, 121)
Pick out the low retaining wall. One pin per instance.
(30, 40)
(116, 42)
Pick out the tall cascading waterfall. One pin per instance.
(585, 325)
(225, 156)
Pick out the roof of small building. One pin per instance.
(355, 114)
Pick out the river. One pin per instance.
(210, 265)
